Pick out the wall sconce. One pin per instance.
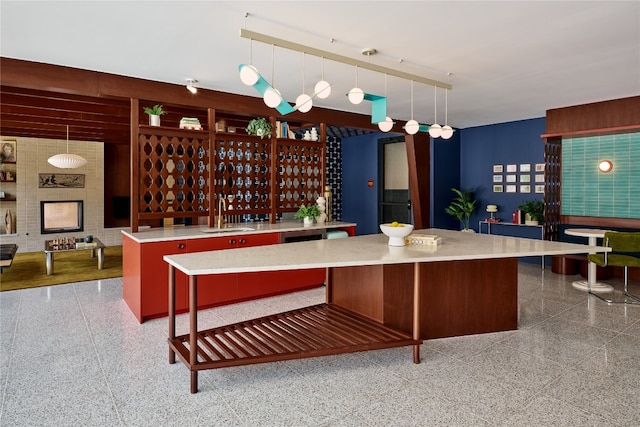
(605, 166)
(190, 86)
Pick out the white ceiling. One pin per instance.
(510, 60)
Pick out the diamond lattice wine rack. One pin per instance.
(174, 173)
(263, 177)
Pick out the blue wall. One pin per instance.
(464, 161)
(359, 165)
(504, 143)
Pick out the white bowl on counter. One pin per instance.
(396, 234)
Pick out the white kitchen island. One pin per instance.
(377, 296)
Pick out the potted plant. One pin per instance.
(260, 127)
(154, 114)
(534, 211)
(307, 213)
(462, 206)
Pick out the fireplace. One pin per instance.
(61, 216)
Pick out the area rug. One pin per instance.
(28, 269)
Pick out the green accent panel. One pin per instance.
(588, 192)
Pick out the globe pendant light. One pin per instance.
(249, 74)
(435, 130)
(67, 161)
(272, 97)
(447, 131)
(412, 126)
(323, 88)
(387, 124)
(303, 101)
(356, 95)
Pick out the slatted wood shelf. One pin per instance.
(319, 330)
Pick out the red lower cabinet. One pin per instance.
(146, 275)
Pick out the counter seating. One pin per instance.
(626, 253)
(7, 252)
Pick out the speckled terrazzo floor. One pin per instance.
(73, 355)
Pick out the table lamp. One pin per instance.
(492, 209)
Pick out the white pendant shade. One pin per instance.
(323, 89)
(304, 103)
(386, 125)
(356, 95)
(67, 161)
(435, 130)
(272, 97)
(447, 132)
(412, 127)
(249, 74)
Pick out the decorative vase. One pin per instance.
(89, 238)
(154, 120)
(308, 221)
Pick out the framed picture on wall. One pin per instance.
(539, 167)
(497, 169)
(539, 178)
(540, 189)
(512, 168)
(525, 178)
(525, 189)
(497, 188)
(511, 188)
(497, 178)
(8, 151)
(511, 178)
(525, 167)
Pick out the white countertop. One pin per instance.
(368, 250)
(164, 234)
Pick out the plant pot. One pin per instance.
(260, 132)
(468, 230)
(154, 120)
(308, 221)
(531, 222)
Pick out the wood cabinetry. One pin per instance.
(8, 190)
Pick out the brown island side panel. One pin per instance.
(457, 297)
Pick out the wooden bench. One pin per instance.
(7, 252)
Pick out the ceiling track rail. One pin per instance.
(252, 35)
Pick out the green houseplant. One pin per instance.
(534, 211)
(154, 114)
(260, 127)
(462, 206)
(308, 213)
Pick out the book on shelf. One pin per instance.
(191, 123)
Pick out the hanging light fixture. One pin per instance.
(387, 124)
(67, 161)
(435, 130)
(303, 101)
(412, 126)
(356, 95)
(272, 96)
(447, 131)
(323, 88)
(190, 86)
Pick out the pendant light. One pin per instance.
(412, 126)
(447, 131)
(303, 101)
(67, 161)
(323, 88)
(249, 74)
(387, 124)
(356, 95)
(435, 130)
(272, 96)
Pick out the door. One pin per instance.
(394, 198)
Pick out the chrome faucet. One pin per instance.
(222, 206)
